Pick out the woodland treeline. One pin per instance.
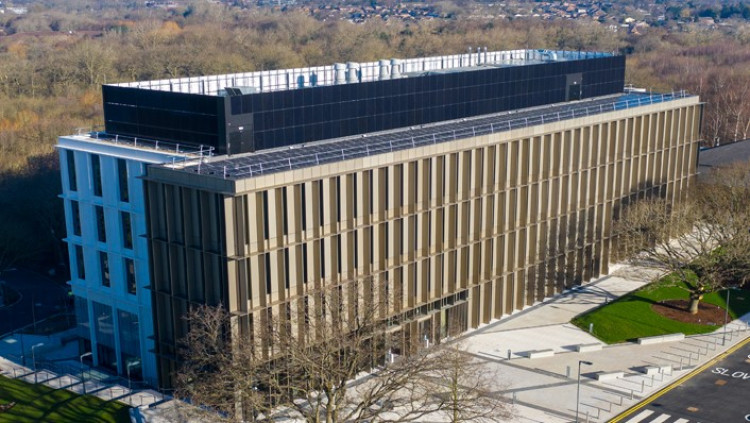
(56, 57)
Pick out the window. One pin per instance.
(286, 268)
(72, 181)
(100, 227)
(130, 276)
(75, 215)
(104, 268)
(304, 263)
(284, 224)
(264, 203)
(303, 207)
(322, 247)
(122, 177)
(267, 271)
(127, 230)
(79, 262)
(96, 174)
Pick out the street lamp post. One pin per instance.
(83, 374)
(578, 389)
(33, 358)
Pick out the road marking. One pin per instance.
(679, 381)
(661, 419)
(642, 415)
(681, 421)
(692, 409)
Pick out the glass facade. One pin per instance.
(82, 318)
(96, 174)
(81, 268)
(105, 335)
(75, 215)
(101, 231)
(122, 179)
(71, 161)
(127, 230)
(130, 276)
(104, 268)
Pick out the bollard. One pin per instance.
(508, 353)
(631, 395)
(514, 398)
(680, 363)
(591, 328)
(643, 386)
(567, 372)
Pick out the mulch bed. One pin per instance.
(677, 310)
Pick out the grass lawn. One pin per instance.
(39, 403)
(630, 316)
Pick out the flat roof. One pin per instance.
(723, 155)
(289, 79)
(322, 152)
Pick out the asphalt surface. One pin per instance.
(720, 393)
(40, 298)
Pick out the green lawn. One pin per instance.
(631, 317)
(39, 403)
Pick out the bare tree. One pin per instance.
(703, 240)
(328, 358)
(468, 390)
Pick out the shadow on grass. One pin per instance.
(38, 403)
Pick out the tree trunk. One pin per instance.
(695, 299)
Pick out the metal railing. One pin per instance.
(183, 151)
(503, 124)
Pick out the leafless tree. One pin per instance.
(468, 389)
(329, 358)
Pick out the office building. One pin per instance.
(463, 187)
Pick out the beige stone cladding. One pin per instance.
(450, 236)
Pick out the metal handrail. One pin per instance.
(410, 141)
(184, 151)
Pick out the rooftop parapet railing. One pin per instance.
(185, 152)
(297, 78)
(391, 144)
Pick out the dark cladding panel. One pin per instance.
(335, 111)
(281, 118)
(162, 115)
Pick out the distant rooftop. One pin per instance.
(330, 151)
(724, 155)
(289, 79)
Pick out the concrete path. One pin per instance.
(539, 390)
(544, 389)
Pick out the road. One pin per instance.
(717, 394)
(41, 297)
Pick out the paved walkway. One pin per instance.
(544, 389)
(541, 390)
